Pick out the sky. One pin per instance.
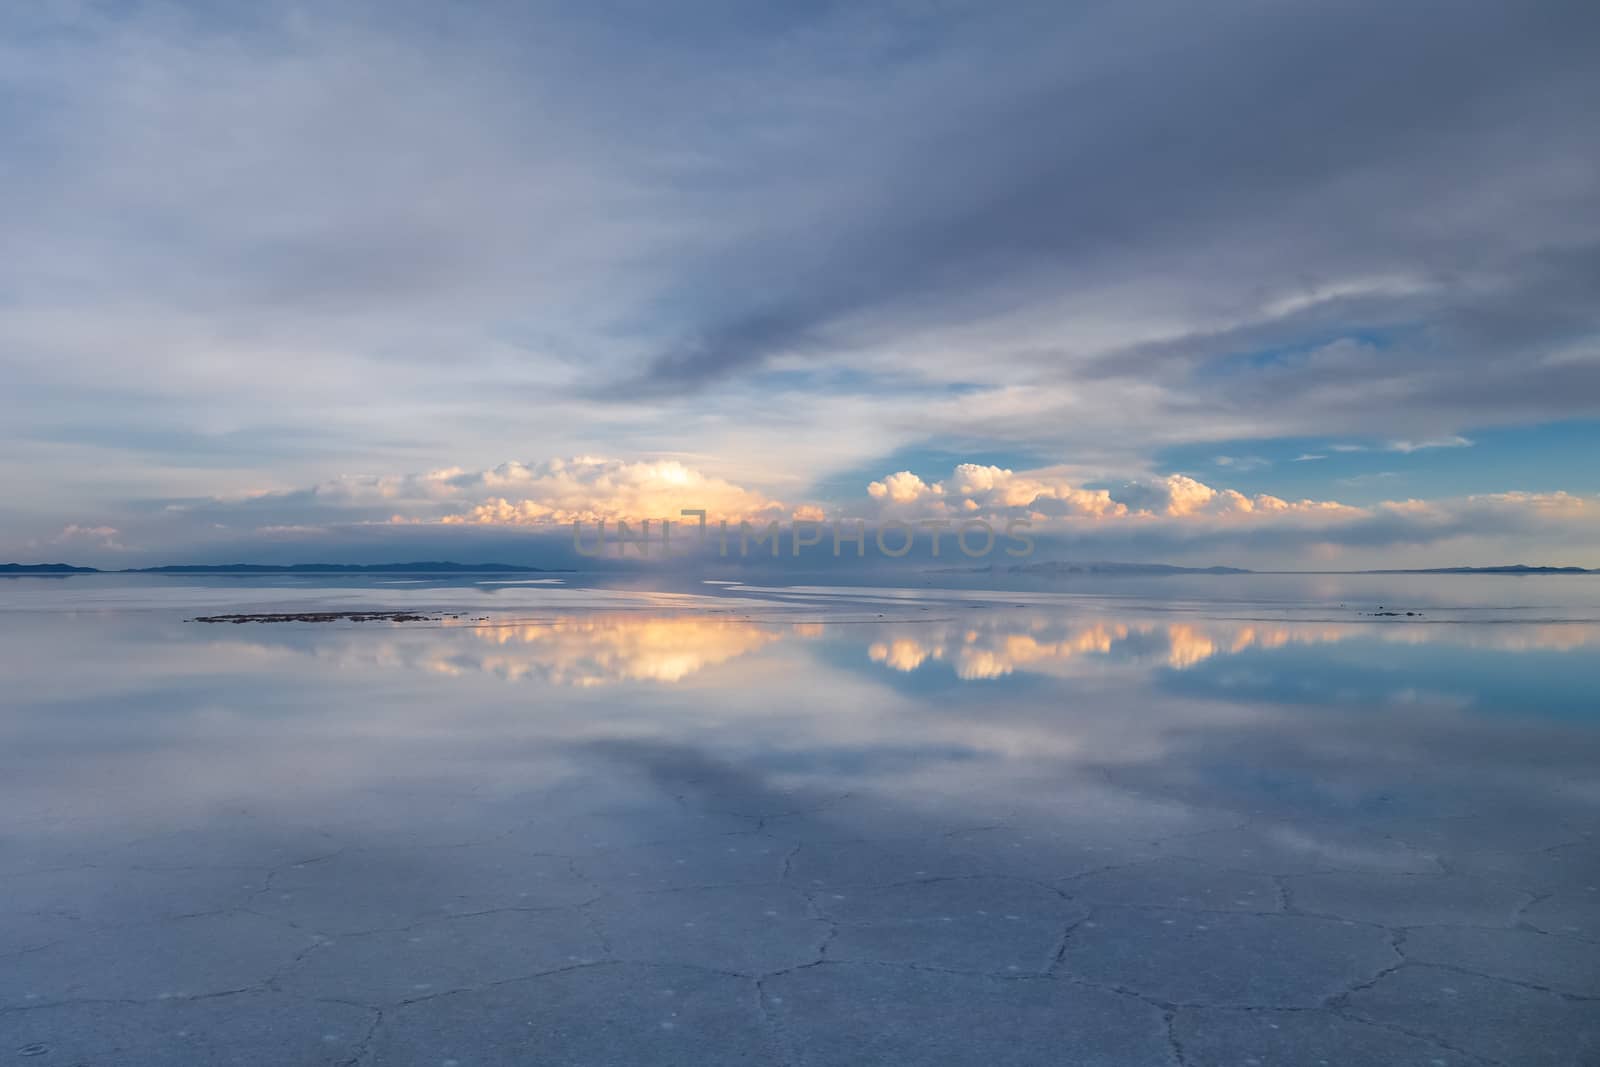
(1264, 284)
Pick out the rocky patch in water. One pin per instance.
(330, 616)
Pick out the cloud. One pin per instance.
(903, 487)
(541, 494)
(101, 536)
(776, 247)
(523, 511)
(976, 489)
(556, 493)
(1558, 502)
(592, 490)
(1452, 441)
(778, 242)
(1012, 205)
(1179, 496)
(1185, 496)
(1179, 517)
(979, 491)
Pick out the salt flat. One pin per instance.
(799, 826)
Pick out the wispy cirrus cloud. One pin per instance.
(1403, 446)
(1242, 463)
(1450, 441)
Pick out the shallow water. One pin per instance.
(1160, 821)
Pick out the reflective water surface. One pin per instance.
(1222, 822)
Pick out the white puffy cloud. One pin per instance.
(1180, 496)
(903, 487)
(975, 489)
(552, 492)
(449, 511)
(589, 489)
(1549, 502)
(1185, 496)
(980, 491)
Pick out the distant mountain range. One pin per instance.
(1041, 569)
(45, 568)
(1055, 569)
(1059, 569)
(429, 567)
(1515, 568)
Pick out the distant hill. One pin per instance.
(1059, 569)
(1515, 568)
(45, 568)
(1042, 569)
(1053, 569)
(429, 567)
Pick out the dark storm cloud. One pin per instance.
(1518, 350)
(1225, 151)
